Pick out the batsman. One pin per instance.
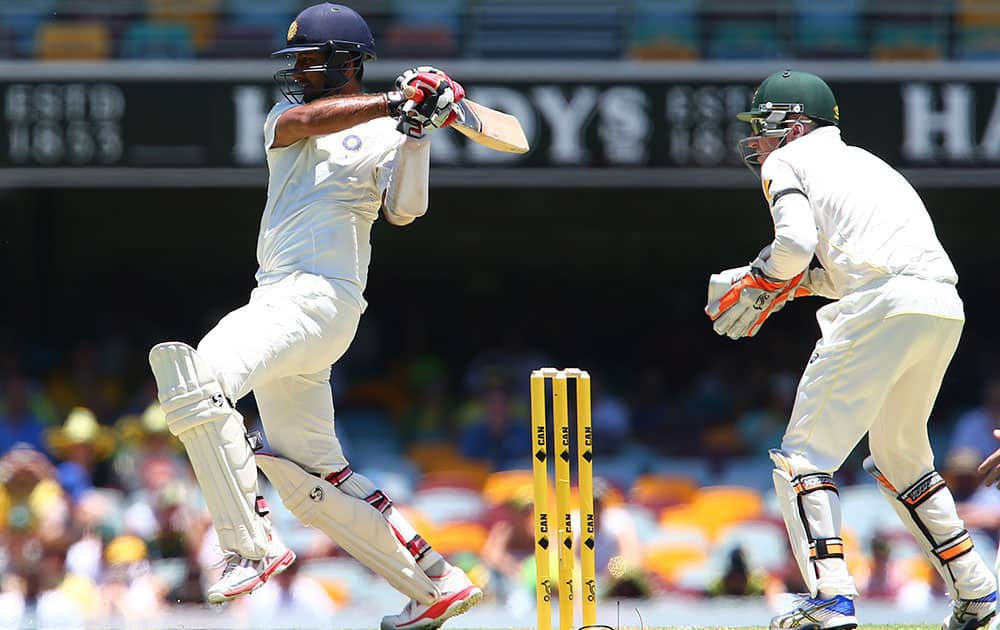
(337, 158)
(886, 341)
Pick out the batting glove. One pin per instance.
(750, 300)
(431, 96)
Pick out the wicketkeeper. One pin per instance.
(886, 342)
(337, 158)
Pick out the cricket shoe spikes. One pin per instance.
(458, 594)
(972, 614)
(243, 576)
(813, 613)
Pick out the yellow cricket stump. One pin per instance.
(564, 508)
(540, 477)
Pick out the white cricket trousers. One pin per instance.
(879, 377)
(281, 346)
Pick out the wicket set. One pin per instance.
(585, 481)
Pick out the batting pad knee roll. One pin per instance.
(212, 432)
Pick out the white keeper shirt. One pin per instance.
(323, 195)
(869, 225)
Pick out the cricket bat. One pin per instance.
(488, 127)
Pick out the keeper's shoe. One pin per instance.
(243, 576)
(458, 594)
(972, 614)
(813, 613)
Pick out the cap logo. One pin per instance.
(292, 30)
(836, 112)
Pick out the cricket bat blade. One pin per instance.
(488, 127)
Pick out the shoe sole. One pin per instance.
(283, 563)
(475, 595)
(461, 606)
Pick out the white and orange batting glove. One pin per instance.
(740, 309)
(430, 99)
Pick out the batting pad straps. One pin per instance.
(927, 508)
(339, 477)
(418, 547)
(954, 548)
(826, 548)
(919, 493)
(922, 490)
(351, 523)
(804, 484)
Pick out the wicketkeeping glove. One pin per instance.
(751, 298)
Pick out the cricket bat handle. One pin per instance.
(412, 96)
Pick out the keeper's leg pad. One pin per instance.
(927, 508)
(213, 434)
(810, 505)
(354, 524)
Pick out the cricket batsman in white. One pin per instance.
(337, 158)
(885, 344)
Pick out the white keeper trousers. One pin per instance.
(281, 346)
(875, 370)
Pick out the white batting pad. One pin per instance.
(810, 506)
(356, 526)
(927, 508)
(788, 501)
(213, 434)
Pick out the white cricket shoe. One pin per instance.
(243, 576)
(458, 594)
(814, 613)
(972, 614)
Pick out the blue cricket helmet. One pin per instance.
(334, 29)
(329, 26)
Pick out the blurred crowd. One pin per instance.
(100, 514)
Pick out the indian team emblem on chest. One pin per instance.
(352, 142)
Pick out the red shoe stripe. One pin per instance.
(438, 608)
(284, 561)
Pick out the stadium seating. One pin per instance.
(831, 29)
(21, 21)
(245, 41)
(540, 29)
(149, 40)
(73, 40)
(518, 29)
(199, 16)
(664, 29)
(428, 29)
(977, 30)
(914, 30)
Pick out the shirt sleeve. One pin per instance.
(794, 225)
(272, 121)
(387, 161)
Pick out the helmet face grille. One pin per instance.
(334, 76)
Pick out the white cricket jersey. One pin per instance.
(871, 225)
(323, 195)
